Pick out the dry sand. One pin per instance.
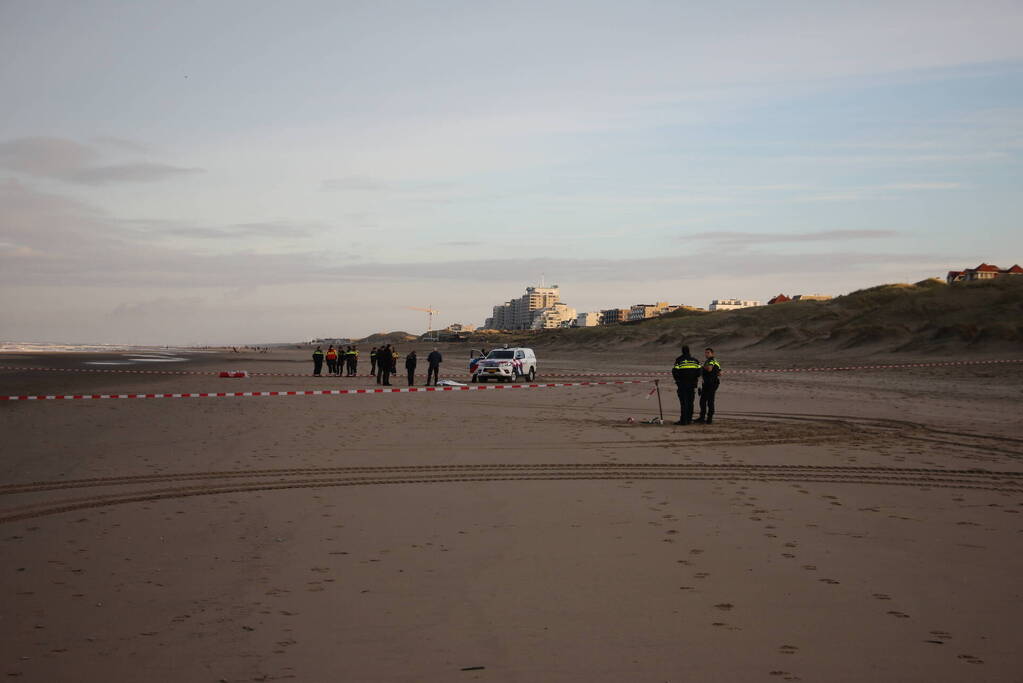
(829, 527)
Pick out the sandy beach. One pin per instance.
(831, 526)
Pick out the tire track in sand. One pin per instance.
(206, 483)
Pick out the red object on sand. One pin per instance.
(234, 373)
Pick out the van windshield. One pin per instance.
(501, 354)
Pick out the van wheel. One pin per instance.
(474, 379)
(532, 374)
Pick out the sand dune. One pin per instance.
(929, 317)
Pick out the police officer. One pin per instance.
(331, 357)
(317, 361)
(373, 361)
(686, 374)
(433, 370)
(711, 373)
(384, 364)
(410, 366)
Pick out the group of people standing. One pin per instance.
(386, 364)
(687, 374)
(339, 361)
(383, 363)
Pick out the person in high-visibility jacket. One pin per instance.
(711, 373)
(317, 361)
(686, 374)
(353, 363)
(373, 361)
(331, 357)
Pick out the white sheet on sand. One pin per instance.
(449, 383)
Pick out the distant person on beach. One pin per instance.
(410, 366)
(384, 365)
(711, 374)
(353, 362)
(686, 374)
(331, 357)
(394, 360)
(433, 366)
(373, 361)
(317, 361)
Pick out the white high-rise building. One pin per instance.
(558, 315)
(521, 313)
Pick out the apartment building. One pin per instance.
(519, 314)
(589, 319)
(558, 315)
(644, 311)
(731, 304)
(613, 316)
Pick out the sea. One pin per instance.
(122, 354)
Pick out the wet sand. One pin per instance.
(827, 527)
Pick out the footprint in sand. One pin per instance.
(882, 596)
(898, 615)
(810, 567)
(701, 575)
(724, 606)
(829, 581)
(970, 659)
(788, 649)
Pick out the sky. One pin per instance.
(232, 172)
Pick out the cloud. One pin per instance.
(352, 183)
(122, 145)
(155, 228)
(779, 237)
(369, 184)
(51, 239)
(73, 162)
(122, 173)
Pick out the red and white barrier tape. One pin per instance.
(319, 392)
(552, 374)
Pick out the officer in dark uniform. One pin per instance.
(318, 361)
(711, 373)
(353, 363)
(410, 366)
(384, 364)
(433, 370)
(686, 374)
(373, 361)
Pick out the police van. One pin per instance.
(506, 365)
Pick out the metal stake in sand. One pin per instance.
(660, 409)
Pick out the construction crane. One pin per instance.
(429, 316)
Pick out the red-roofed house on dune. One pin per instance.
(780, 299)
(984, 271)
